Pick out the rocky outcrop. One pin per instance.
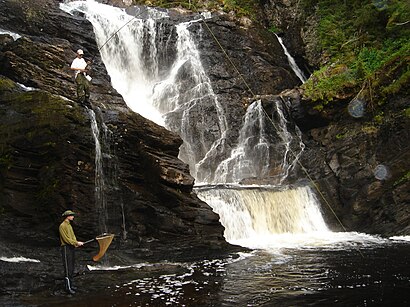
(345, 154)
(365, 168)
(47, 157)
(287, 19)
(358, 165)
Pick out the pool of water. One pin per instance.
(371, 274)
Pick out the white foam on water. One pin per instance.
(14, 35)
(322, 239)
(400, 238)
(18, 259)
(118, 267)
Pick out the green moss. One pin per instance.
(340, 136)
(370, 39)
(274, 29)
(379, 118)
(404, 178)
(369, 129)
(247, 8)
(6, 85)
(330, 82)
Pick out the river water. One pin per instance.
(367, 272)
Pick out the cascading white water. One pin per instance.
(14, 35)
(250, 159)
(260, 212)
(100, 199)
(168, 91)
(105, 175)
(261, 151)
(112, 177)
(299, 73)
(177, 93)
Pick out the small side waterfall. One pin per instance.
(106, 176)
(112, 173)
(100, 199)
(292, 62)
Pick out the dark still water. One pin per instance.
(355, 275)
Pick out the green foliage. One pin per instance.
(369, 38)
(403, 179)
(368, 61)
(239, 7)
(379, 118)
(273, 29)
(329, 82)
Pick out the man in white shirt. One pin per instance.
(79, 65)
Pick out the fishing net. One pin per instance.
(103, 241)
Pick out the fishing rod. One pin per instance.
(115, 33)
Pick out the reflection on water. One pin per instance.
(377, 275)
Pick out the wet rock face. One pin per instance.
(343, 152)
(47, 160)
(361, 166)
(286, 18)
(47, 157)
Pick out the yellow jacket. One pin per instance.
(67, 236)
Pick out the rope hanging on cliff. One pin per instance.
(273, 124)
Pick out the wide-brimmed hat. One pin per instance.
(68, 213)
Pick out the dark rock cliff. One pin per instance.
(47, 156)
(360, 163)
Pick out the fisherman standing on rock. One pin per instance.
(80, 66)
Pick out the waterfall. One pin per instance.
(299, 73)
(262, 211)
(112, 172)
(262, 152)
(106, 175)
(156, 67)
(100, 199)
(167, 90)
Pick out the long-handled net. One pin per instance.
(103, 241)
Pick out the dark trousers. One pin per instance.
(83, 88)
(67, 253)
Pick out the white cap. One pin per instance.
(79, 51)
